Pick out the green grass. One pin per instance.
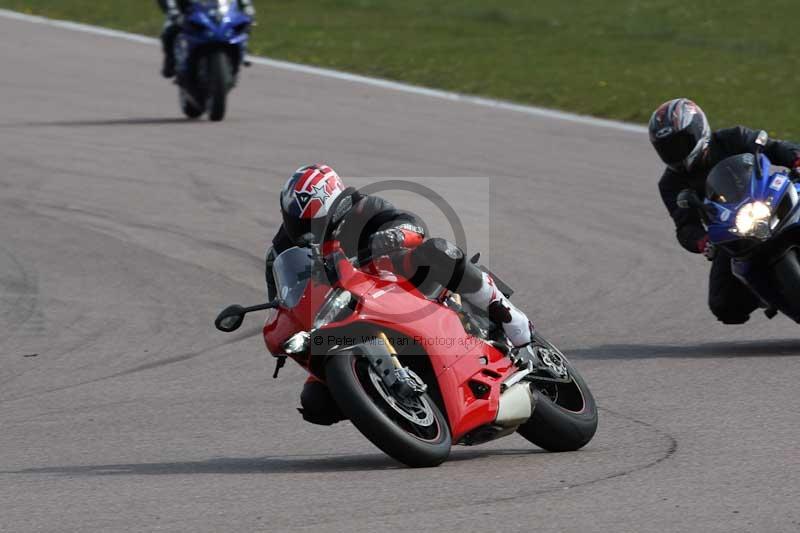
(738, 59)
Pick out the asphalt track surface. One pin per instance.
(124, 228)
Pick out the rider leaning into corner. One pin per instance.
(315, 200)
(680, 133)
(174, 10)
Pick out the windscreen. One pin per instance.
(292, 270)
(729, 181)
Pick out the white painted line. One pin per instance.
(353, 78)
(77, 26)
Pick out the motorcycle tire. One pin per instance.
(360, 399)
(785, 278)
(569, 422)
(219, 81)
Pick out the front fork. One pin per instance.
(397, 378)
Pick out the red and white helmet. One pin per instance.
(307, 197)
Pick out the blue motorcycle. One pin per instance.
(209, 51)
(753, 214)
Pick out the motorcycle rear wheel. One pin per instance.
(384, 420)
(565, 416)
(219, 81)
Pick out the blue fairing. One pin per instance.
(769, 189)
(753, 258)
(209, 24)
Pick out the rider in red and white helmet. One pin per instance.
(680, 133)
(307, 197)
(314, 200)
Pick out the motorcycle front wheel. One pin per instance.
(414, 432)
(219, 81)
(565, 416)
(188, 108)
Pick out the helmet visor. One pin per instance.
(673, 149)
(296, 228)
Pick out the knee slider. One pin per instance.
(318, 405)
(733, 319)
(315, 397)
(726, 315)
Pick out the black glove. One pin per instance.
(386, 241)
(706, 247)
(794, 169)
(710, 251)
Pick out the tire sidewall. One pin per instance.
(219, 73)
(374, 424)
(557, 429)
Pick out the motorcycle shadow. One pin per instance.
(287, 464)
(770, 348)
(131, 121)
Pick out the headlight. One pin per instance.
(297, 343)
(753, 220)
(340, 303)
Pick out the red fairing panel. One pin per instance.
(287, 322)
(470, 411)
(392, 303)
(457, 358)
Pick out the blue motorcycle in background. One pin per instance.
(754, 215)
(209, 51)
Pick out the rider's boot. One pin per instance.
(318, 405)
(516, 326)
(168, 35)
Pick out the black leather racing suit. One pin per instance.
(171, 29)
(358, 217)
(181, 5)
(729, 300)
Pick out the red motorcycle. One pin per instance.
(416, 372)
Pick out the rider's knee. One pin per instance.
(728, 314)
(318, 405)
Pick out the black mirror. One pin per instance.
(230, 318)
(688, 198)
(761, 142)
